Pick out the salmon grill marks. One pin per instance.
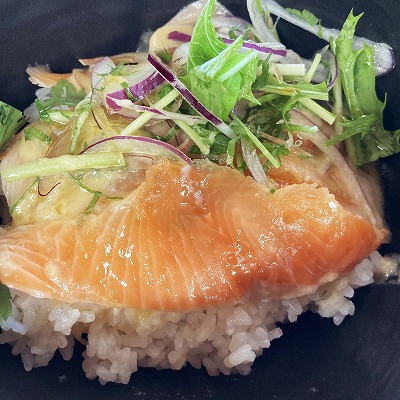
(189, 238)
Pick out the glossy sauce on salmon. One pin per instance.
(190, 237)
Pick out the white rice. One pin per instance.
(118, 341)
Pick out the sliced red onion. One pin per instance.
(179, 36)
(277, 49)
(334, 67)
(384, 57)
(189, 97)
(139, 145)
(131, 110)
(269, 48)
(139, 90)
(100, 70)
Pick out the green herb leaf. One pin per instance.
(165, 56)
(118, 70)
(63, 94)
(128, 92)
(205, 43)
(43, 113)
(220, 82)
(263, 78)
(365, 137)
(305, 15)
(217, 141)
(11, 121)
(5, 302)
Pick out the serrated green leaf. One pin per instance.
(223, 80)
(11, 121)
(63, 94)
(305, 15)
(205, 43)
(363, 133)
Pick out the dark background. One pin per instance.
(314, 359)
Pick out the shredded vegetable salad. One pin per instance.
(217, 88)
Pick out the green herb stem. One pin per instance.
(194, 136)
(313, 68)
(83, 115)
(60, 116)
(148, 115)
(265, 99)
(256, 142)
(318, 110)
(293, 90)
(54, 166)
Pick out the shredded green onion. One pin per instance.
(65, 163)
(83, 115)
(14, 206)
(36, 133)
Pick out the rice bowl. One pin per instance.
(201, 344)
(224, 340)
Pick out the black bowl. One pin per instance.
(315, 359)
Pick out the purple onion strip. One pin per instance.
(189, 97)
(131, 110)
(179, 36)
(335, 74)
(183, 37)
(259, 47)
(143, 139)
(139, 90)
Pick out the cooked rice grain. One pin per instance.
(224, 340)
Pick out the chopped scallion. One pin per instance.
(36, 133)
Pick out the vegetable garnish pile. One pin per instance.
(238, 98)
(232, 95)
